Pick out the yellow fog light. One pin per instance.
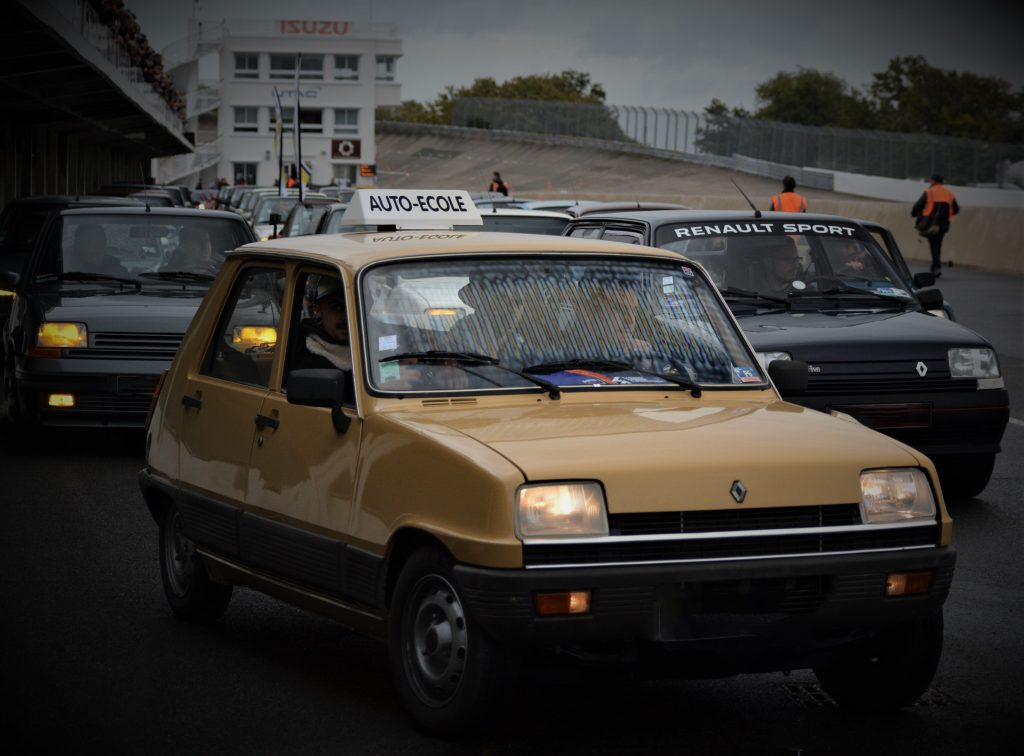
(565, 602)
(6, 293)
(250, 336)
(62, 335)
(908, 583)
(61, 400)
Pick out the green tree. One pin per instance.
(568, 86)
(812, 98)
(913, 96)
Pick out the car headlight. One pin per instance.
(895, 496)
(973, 363)
(6, 293)
(561, 510)
(62, 335)
(767, 358)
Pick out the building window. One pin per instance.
(245, 173)
(311, 121)
(346, 67)
(282, 66)
(386, 67)
(247, 120)
(247, 65)
(346, 121)
(311, 67)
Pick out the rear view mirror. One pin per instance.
(789, 376)
(921, 280)
(275, 219)
(931, 299)
(316, 387)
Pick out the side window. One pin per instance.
(247, 335)
(320, 331)
(586, 232)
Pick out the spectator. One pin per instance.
(934, 211)
(789, 201)
(498, 184)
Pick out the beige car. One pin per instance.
(482, 445)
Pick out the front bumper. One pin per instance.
(723, 617)
(108, 393)
(934, 423)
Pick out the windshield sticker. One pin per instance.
(726, 229)
(688, 272)
(387, 343)
(746, 375)
(390, 371)
(892, 292)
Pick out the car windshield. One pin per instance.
(792, 261)
(267, 205)
(151, 246)
(335, 225)
(513, 323)
(304, 220)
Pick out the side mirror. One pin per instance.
(789, 376)
(275, 219)
(921, 280)
(931, 299)
(316, 387)
(9, 280)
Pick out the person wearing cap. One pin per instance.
(938, 205)
(326, 334)
(789, 201)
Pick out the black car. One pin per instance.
(101, 306)
(819, 289)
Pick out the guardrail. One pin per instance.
(876, 153)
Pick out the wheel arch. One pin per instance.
(404, 544)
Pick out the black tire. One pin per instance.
(445, 668)
(891, 672)
(193, 596)
(965, 477)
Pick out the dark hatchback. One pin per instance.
(101, 306)
(820, 290)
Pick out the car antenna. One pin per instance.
(757, 213)
(144, 186)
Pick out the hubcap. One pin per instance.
(437, 643)
(180, 556)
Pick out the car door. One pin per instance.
(223, 396)
(301, 478)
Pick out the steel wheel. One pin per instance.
(435, 649)
(189, 590)
(179, 556)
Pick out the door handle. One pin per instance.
(191, 402)
(262, 421)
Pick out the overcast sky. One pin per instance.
(662, 53)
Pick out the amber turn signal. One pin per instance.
(567, 602)
(908, 583)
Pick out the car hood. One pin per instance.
(831, 335)
(151, 309)
(659, 456)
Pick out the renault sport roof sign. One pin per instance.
(411, 209)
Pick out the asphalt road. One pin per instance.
(93, 660)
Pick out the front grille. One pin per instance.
(112, 403)
(866, 538)
(768, 518)
(890, 377)
(136, 346)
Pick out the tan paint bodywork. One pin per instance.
(451, 467)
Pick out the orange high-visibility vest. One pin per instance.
(789, 202)
(936, 194)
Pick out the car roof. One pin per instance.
(659, 217)
(355, 251)
(70, 199)
(174, 212)
(522, 212)
(589, 207)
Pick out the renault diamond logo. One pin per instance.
(922, 369)
(738, 491)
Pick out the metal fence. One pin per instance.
(875, 153)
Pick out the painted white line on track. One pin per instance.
(1015, 421)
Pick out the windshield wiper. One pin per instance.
(852, 290)
(75, 275)
(178, 275)
(583, 364)
(474, 358)
(730, 291)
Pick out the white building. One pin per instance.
(345, 70)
